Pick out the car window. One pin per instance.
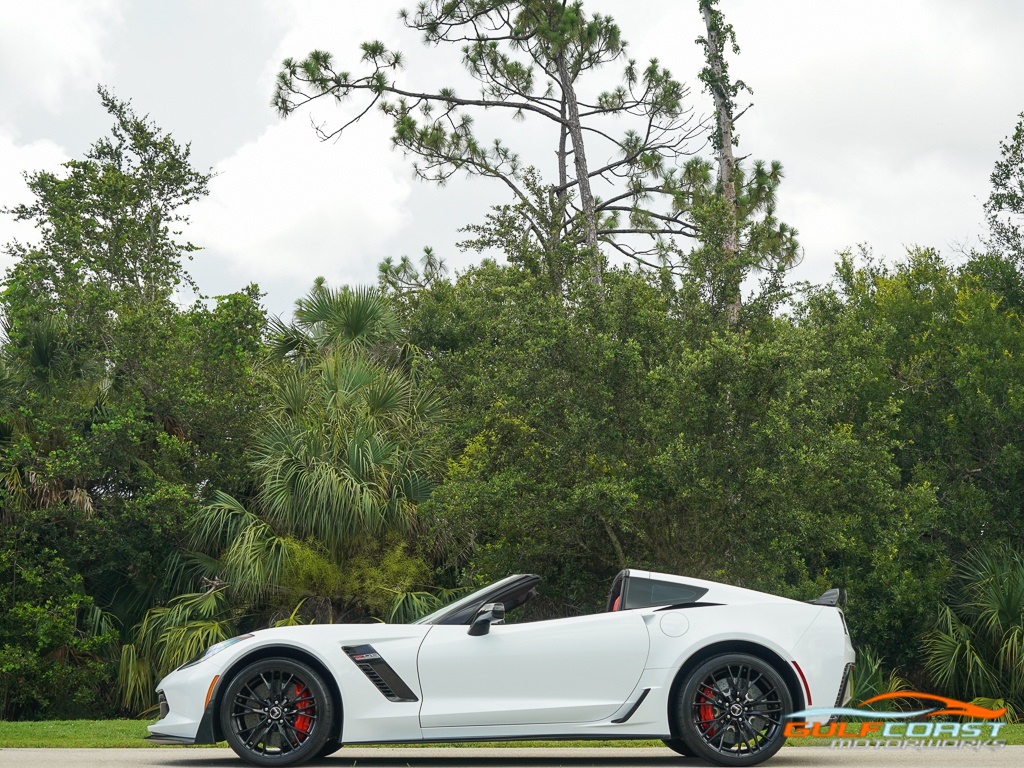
(469, 599)
(513, 591)
(642, 593)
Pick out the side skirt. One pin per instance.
(161, 738)
(546, 737)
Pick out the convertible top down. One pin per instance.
(713, 670)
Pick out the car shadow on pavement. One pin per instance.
(508, 762)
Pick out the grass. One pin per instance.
(73, 733)
(130, 733)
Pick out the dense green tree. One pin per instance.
(953, 345)
(106, 224)
(118, 408)
(594, 430)
(548, 404)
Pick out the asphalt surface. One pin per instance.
(590, 757)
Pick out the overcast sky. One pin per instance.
(886, 116)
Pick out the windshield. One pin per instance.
(467, 600)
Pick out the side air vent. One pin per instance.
(379, 672)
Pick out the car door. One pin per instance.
(573, 670)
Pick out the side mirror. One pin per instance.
(488, 614)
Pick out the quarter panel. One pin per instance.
(777, 626)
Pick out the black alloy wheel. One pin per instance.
(732, 710)
(277, 711)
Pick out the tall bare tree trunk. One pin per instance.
(726, 158)
(579, 157)
(558, 202)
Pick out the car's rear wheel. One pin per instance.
(732, 710)
(277, 711)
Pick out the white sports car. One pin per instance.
(711, 669)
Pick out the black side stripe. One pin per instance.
(634, 708)
(379, 672)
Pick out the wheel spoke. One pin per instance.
(255, 739)
(721, 739)
(303, 734)
(745, 725)
(752, 683)
(734, 683)
(764, 697)
(286, 688)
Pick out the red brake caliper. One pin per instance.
(302, 722)
(706, 711)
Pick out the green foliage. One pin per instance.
(106, 229)
(871, 678)
(955, 349)
(382, 573)
(1005, 205)
(976, 647)
(118, 409)
(167, 637)
(338, 464)
(596, 428)
(52, 662)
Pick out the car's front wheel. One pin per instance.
(732, 710)
(678, 745)
(277, 711)
(332, 746)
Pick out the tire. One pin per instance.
(277, 711)
(332, 746)
(678, 745)
(732, 710)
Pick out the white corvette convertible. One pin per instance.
(711, 669)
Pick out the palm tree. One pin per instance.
(870, 678)
(339, 459)
(975, 651)
(359, 321)
(340, 452)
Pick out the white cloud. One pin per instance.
(16, 158)
(286, 208)
(48, 47)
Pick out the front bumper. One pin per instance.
(186, 717)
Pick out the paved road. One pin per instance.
(592, 757)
